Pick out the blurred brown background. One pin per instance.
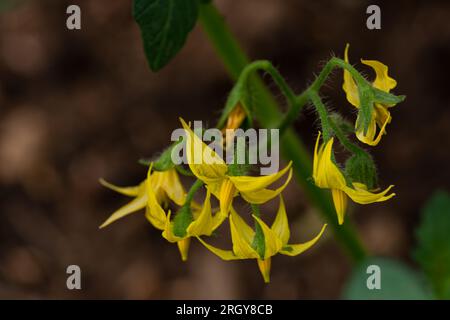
(79, 105)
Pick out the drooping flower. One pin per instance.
(214, 172)
(381, 115)
(203, 224)
(327, 175)
(276, 240)
(166, 186)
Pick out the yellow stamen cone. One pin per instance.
(264, 267)
(340, 203)
(227, 192)
(183, 246)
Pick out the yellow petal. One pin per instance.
(226, 255)
(249, 184)
(327, 174)
(264, 267)
(242, 237)
(317, 157)
(212, 167)
(382, 79)
(226, 195)
(369, 137)
(340, 203)
(168, 232)
(272, 244)
(183, 247)
(170, 183)
(203, 225)
(281, 225)
(362, 196)
(349, 85)
(155, 213)
(127, 191)
(263, 195)
(134, 205)
(296, 249)
(218, 219)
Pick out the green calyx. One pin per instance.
(360, 167)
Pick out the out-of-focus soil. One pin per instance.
(79, 105)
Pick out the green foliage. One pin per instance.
(398, 281)
(6, 5)
(182, 221)
(165, 25)
(433, 248)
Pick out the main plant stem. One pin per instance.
(268, 114)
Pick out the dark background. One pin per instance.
(79, 105)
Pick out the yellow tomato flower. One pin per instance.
(203, 224)
(165, 185)
(326, 174)
(276, 240)
(381, 115)
(213, 171)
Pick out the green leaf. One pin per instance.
(433, 248)
(165, 25)
(398, 281)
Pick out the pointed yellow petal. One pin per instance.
(272, 243)
(226, 195)
(155, 213)
(349, 86)
(249, 184)
(211, 167)
(316, 157)
(170, 183)
(362, 196)
(382, 79)
(264, 195)
(296, 249)
(168, 232)
(369, 137)
(328, 175)
(226, 255)
(183, 247)
(203, 225)
(218, 219)
(281, 225)
(264, 267)
(340, 203)
(242, 237)
(127, 191)
(134, 205)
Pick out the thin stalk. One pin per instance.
(268, 114)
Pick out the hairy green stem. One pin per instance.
(269, 114)
(192, 191)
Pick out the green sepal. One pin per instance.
(239, 94)
(360, 167)
(386, 98)
(182, 220)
